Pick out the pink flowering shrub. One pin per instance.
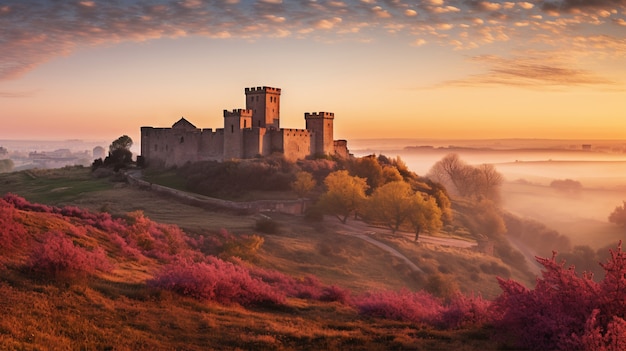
(403, 305)
(22, 204)
(466, 312)
(12, 232)
(308, 287)
(566, 311)
(59, 257)
(217, 280)
(334, 293)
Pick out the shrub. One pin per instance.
(58, 257)
(466, 312)
(12, 233)
(244, 247)
(553, 316)
(216, 280)
(334, 293)
(416, 307)
(266, 225)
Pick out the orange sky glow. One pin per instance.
(437, 69)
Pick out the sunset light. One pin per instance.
(410, 69)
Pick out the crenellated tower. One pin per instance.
(321, 124)
(235, 122)
(265, 105)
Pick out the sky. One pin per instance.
(436, 69)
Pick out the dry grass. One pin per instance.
(36, 316)
(117, 311)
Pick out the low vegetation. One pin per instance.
(162, 284)
(340, 292)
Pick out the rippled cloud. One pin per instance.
(34, 32)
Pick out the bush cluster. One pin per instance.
(58, 257)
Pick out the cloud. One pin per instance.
(419, 42)
(525, 5)
(540, 71)
(35, 31)
(16, 94)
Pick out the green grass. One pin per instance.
(167, 178)
(53, 186)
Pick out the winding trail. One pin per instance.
(361, 230)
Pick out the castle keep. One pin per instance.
(247, 133)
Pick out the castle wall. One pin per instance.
(341, 149)
(257, 142)
(247, 133)
(211, 145)
(295, 144)
(169, 147)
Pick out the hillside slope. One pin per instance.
(75, 279)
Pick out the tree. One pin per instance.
(119, 153)
(424, 214)
(390, 204)
(345, 194)
(303, 184)
(618, 216)
(367, 167)
(465, 180)
(566, 185)
(123, 142)
(452, 172)
(486, 182)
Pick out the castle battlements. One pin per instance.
(327, 115)
(263, 89)
(239, 112)
(247, 133)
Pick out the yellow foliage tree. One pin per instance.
(390, 204)
(345, 194)
(303, 184)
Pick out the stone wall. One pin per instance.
(293, 207)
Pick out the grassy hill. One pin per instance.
(116, 309)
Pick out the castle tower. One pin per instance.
(265, 105)
(235, 123)
(321, 124)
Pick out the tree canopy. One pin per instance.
(465, 180)
(303, 184)
(618, 216)
(345, 194)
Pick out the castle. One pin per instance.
(251, 132)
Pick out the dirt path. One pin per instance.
(361, 230)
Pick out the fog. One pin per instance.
(529, 167)
(26, 154)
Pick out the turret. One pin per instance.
(265, 105)
(321, 124)
(234, 124)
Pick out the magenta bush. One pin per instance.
(216, 280)
(59, 257)
(403, 305)
(334, 293)
(12, 232)
(466, 312)
(566, 311)
(21, 204)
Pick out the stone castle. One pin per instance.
(251, 132)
